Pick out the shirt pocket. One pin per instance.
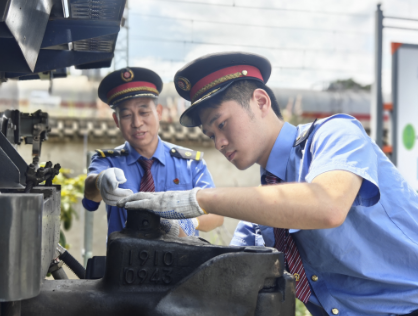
(179, 187)
(179, 178)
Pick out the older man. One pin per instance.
(144, 163)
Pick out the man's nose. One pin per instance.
(137, 121)
(221, 143)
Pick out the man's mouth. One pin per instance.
(139, 134)
(230, 155)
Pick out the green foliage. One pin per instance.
(72, 190)
(301, 309)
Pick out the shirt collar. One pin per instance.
(134, 155)
(280, 153)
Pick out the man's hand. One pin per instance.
(170, 227)
(170, 204)
(108, 184)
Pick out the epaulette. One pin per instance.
(186, 153)
(302, 138)
(112, 152)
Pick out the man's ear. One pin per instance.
(115, 118)
(159, 111)
(262, 100)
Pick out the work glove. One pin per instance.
(108, 184)
(170, 227)
(170, 204)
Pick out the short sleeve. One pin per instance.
(98, 164)
(90, 205)
(342, 144)
(201, 176)
(247, 234)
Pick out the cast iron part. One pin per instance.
(148, 273)
(47, 174)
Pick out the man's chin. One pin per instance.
(139, 143)
(241, 165)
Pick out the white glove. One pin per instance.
(108, 184)
(189, 226)
(170, 204)
(170, 227)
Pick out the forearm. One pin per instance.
(296, 205)
(324, 203)
(209, 222)
(90, 189)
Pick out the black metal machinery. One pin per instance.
(148, 273)
(145, 272)
(40, 38)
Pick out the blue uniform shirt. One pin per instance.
(369, 264)
(165, 169)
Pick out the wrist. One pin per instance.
(196, 222)
(200, 199)
(96, 181)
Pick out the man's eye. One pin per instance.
(126, 115)
(144, 113)
(212, 137)
(221, 125)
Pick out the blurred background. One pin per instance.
(322, 53)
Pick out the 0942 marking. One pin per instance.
(154, 267)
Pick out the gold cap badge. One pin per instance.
(184, 84)
(127, 75)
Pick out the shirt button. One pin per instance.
(335, 311)
(314, 278)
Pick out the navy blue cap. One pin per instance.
(128, 83)
(210, 75)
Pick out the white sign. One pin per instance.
(405, 93)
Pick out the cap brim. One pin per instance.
(135, 96)
(190, 117)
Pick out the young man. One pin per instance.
(145, 162)
(342, 214)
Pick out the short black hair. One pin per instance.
(241, 91)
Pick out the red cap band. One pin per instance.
(130, 85)
(223, 75)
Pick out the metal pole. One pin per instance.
(88, 227)
(127, 33)
(377, 109)
(394, 117)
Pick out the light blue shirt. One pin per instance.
(369, 264)
(169, 174)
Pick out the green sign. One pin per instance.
(408, 136)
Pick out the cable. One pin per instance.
(279, 67)
(399, 28)
(400, 18)
(153, 39)
(322, 69)
(250, 25)
(271, 8)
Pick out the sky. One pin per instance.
(308, 42)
